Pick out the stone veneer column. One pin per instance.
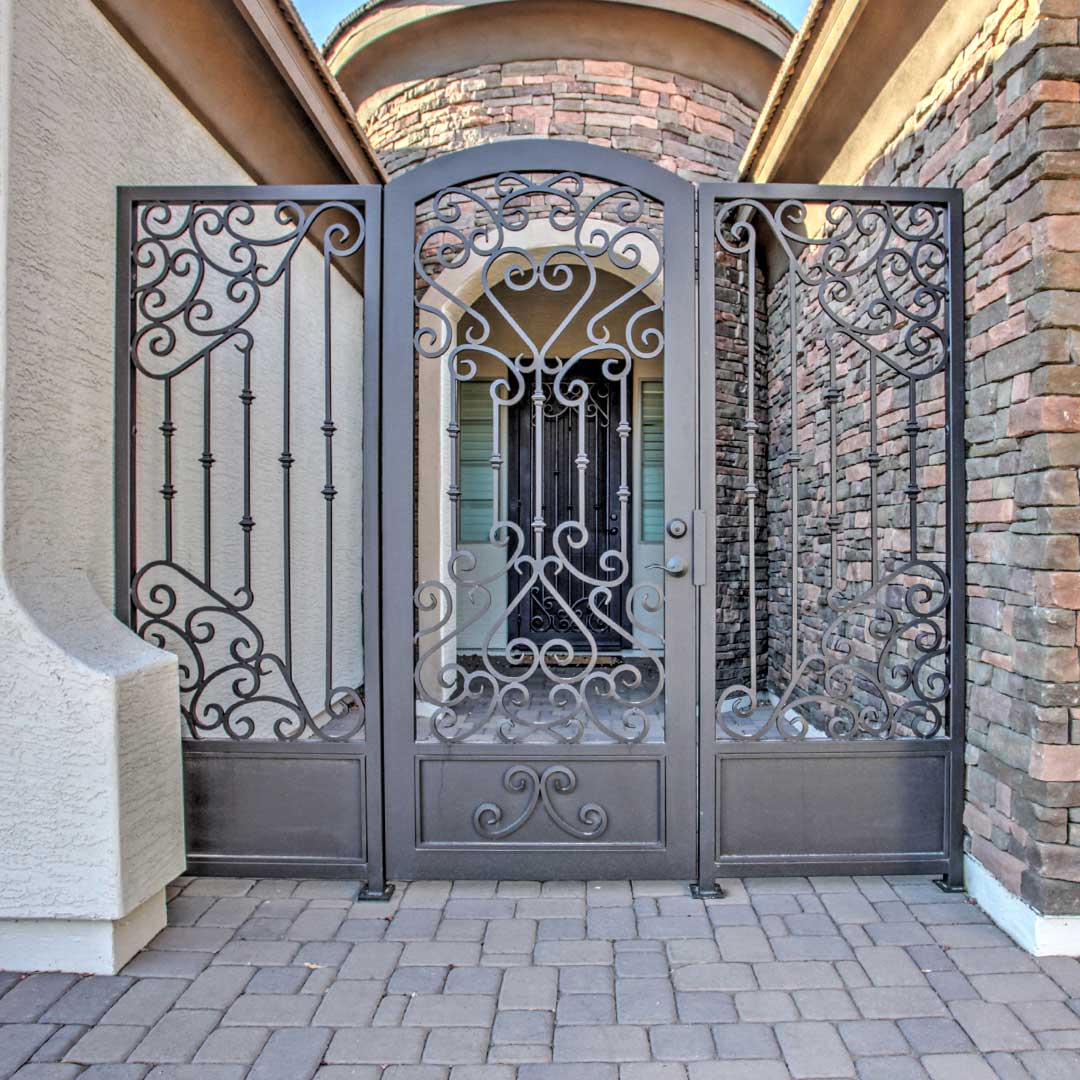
(1004, 124)
(682, 124)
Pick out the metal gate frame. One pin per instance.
(715, 863)
(224, 774)
(387, 503)
(671, 812)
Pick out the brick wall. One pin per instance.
(682, 124)
(1004, 125)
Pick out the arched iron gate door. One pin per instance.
(538, 489)
(561, 568)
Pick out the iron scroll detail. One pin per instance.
(209, 279)
(514, 689)
(860, 306)
(539, 789)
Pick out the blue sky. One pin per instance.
(322, 16)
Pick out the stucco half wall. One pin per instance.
(91, 817)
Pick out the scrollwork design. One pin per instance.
(539, 789)
(555, 690)
(891, 696)
(200, 271)
(901, 247)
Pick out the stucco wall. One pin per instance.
(90, 807)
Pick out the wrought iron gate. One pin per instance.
(832, 632)
(247, 511)
(711, 625)
(538, 270)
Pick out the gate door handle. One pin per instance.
(676, 566)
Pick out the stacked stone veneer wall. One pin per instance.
(682, 124)
(1003, 124)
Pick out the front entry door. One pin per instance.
(561, 430)
(538, 488)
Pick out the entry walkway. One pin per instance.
(834, 977)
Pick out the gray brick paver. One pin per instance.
(450, 1010)
(348, 1004)
(350, 1072)
(558, 1071)
(375, 1046)
(106, 1044)
(586, 980)
(232, 1046)
(197, 1072)
(896, 1003)
(738, 1041)
(867, 1038)
(271, 1010)
(716, 977)
(891, 1068)
(473, 980)
(705, 1007)
(291, 1054)
(992, 1026)
(56, 1046)
(31, 996)
(644, 1001)
(1014, 988)
(886, 979)
(825, 1005)
(585, 1009)
(18, 1043)
(652, 1070)
(371, 960)
(681, 1042)
(176, 1036)
(529, 988)
(610, 1043)
(216, 988)
(953, 1066)
(257, 953)
(47, 1071)
(278, 980)
(522, 1028)
(457, 1046)
(814, 1049)
(117, 1072)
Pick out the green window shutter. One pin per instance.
(652, 462)
(474, 461)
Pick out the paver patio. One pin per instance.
(876, 978)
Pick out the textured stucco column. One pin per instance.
(91, 811)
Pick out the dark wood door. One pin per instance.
(542, 617)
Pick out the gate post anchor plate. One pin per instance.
(706, 892)
(946, 886)
(367, 893)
